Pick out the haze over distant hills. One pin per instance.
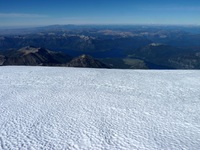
(116, 46)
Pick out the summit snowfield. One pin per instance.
(59, 108)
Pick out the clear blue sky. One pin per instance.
(48, 12)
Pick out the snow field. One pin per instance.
(82, 109)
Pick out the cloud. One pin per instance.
(185, 8)
(21, 15)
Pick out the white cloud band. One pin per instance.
(21, 15)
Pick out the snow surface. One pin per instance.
(97, 109)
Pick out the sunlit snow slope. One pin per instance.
(96, 109)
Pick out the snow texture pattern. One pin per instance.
(55, 108)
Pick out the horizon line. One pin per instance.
(94, 24)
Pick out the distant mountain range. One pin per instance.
(152, 56)
(125, 47)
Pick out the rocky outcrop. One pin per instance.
(87, 62)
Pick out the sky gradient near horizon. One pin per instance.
(43, 12)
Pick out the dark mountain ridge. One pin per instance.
(35, 56)
(32, 56)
